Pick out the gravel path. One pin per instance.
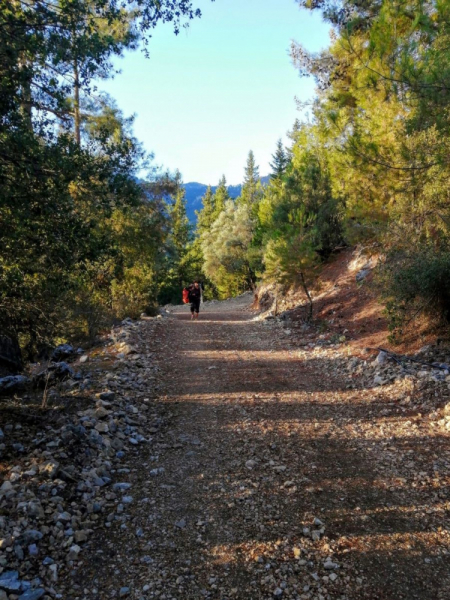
(272, 477)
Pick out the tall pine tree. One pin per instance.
(176, 270)
(205, 216)
(195, 259)
(179, 220)
(280, 161)
(251, 189)
(220, 197)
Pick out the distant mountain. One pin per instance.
(195, 191)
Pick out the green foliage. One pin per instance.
(300, 218)
(82, 242)
(225, 248)
(195, 258)
(280, 161)
(382, 113)
(281, 232)
(287, 258)
(251, 187)
(220, 198)
(415, 283)
(177, 271)
(180, 227)
(205, 216)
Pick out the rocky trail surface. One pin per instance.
(240, 459)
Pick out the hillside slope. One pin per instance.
(346, 304)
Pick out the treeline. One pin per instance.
(82, 240)
(279, 232)
(370, 165)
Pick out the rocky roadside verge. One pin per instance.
(420, 381)
(61, 464)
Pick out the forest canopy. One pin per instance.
(85, 239)
(371, 164)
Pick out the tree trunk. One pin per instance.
(76, 103)
(26, 103)
(308, 295)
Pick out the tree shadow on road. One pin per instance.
(283, 440)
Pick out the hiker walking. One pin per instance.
(195, 297)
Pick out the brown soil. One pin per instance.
(343, 306)
(261, 439)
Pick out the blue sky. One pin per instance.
(220, 88)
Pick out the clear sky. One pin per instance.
(224, 86)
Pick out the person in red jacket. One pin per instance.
(195, 297)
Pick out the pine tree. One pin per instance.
(251, 188)
(194, 259)
(179, 219)
(280, 161)
(176, 271)
(296, 127)
(91, 54)
(220, 197)
(205, 216)
(293, 135)
(226, 248)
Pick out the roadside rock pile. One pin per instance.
(421, 380)
(57, 370)
(61, 482)
(13, 383)
(429, 364)
(386, 368)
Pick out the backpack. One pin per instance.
(185, 296)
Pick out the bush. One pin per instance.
(415, 282)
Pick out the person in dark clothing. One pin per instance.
(195, 297)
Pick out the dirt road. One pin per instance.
(270, 478)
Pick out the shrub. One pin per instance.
(415, 282)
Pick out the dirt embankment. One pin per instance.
(346, 303)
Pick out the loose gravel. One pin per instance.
(230, 459)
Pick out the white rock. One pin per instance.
(6, 488)
(74, 552)
(381, 358)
